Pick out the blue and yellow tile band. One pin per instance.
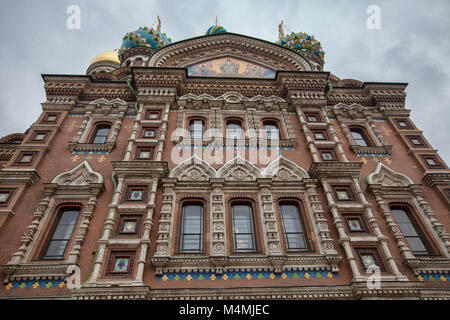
(434, 277)
(45, 284)
(193, 276)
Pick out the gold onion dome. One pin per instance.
(106, 56)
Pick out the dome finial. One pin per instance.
(280, 30)
(158, 27)
(217, 20)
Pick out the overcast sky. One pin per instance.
(413, 45)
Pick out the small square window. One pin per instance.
(343, 193)
(432, 162)
(25, 158)
(50, 117)
(144, 153)
(5, 196)
(153, 115)
(328, 154)
(128, 225)
(320, 134)
(312, 117)
(416, 141)
(39, 136)
(403, 124)
(369, 257)
(149, 132)
(355, 223)
(120, 263)
(136, 193)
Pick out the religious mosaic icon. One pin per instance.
(4, 197)
(26, 158)
(136, 195)
(342, 195)
(355, 225)
(121, 264)
(367, 260)
(129, 226)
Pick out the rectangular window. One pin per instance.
(25, 158)
(121, 263)
(153, 115)
(403, 123)
(136, 193)
(39, 136)
(343, 193)
(416, 141)
(327, 154)
(410, 231)
(191, 235)
(61, 235)
(369, 257)
(320, 134)
(431, 161)
(128, 225)
(144, 153)
(243, 228)
(313, 117)
(51, 117)
(6, 196)
(149, 133)
(355, 223)
(293, 228)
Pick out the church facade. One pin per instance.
(222, 167)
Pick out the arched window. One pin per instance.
(271, 129)
(294, 231)
(61, 234)
(191, 230)
(360, 137)
(101, 134)
(410, 230)
(196, 128)
(243, 228)
(234, 129)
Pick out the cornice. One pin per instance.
(335, 169)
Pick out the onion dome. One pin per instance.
(215, 30)
(144, 37)
(302, 42)
(106, 56)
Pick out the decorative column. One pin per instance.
(308, 135)
(163, 131)
(270, 221)
(133, 135)
(218, 232)
(163, 244)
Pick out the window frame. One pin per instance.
(10, 192)
(49, 237)
(322, 131)
(438, 165)
(148, 112)
(274, 123)
(22, 154)
(302, 225)
(125, 218)
(97, 127)
(116, 254)
(315, 114)
(348, 189)
(36, 132)
(363, 133)
(361, 220)
(145, 129)
(409, 125)
(190, 123)
(254, 237)
(48, 114)
(144, 149)
(131, 188)
(181, 234)
(417, 137)
(236, 121)
(328, 150)
(360, 251)
(416, 226)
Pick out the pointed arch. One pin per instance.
(282, 169)
(193, 169)
(386, 177)
(80, 175)
(239, 169)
